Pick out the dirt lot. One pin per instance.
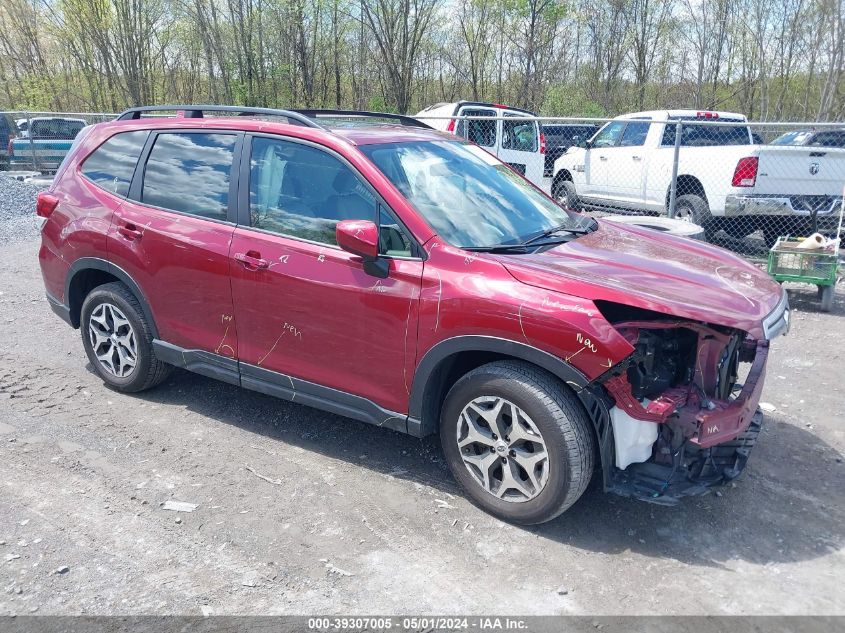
(304, 512)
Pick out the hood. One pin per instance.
(655, 271)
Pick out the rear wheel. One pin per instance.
(518, 441)
(118, 340)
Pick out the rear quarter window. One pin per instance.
(111, 165)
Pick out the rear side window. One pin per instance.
(703, 135)
(112, 164)
(520, 135)
(478, 131)
(62, 129)
(189, 172)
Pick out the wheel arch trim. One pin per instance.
(433, 361)
(95, 263)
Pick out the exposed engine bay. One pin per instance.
(682, 420)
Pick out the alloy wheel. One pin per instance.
(113, 340)
(502, 449)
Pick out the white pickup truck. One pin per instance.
(725, 180)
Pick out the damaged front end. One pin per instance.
(681, 410)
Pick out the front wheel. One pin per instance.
(518, 441)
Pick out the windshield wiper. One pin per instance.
(507, 248)
(558, 229)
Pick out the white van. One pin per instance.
(520, 142)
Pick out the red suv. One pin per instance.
(399, 276)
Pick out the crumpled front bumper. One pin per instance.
(702, 470)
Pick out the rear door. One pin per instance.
(519, 146)
(173, 232)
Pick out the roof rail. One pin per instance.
(196, 112)
(402, 119)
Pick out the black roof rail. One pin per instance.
(402, 119)
(196, 112)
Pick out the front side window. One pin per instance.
(520, 135)
(469, 197)
(112, 164)
(304, 192)
(635, 134)
(609, 134)
(189, 172)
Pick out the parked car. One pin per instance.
(560, 137)
(7, 132)
(520, 143)
(403, 277)
(44, 143)
(724, 181)
(813, 138)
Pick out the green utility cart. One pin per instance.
(810, 266)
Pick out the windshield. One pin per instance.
(469, 197)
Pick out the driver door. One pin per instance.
(597, 160)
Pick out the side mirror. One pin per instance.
(588, 144)
(360, 237)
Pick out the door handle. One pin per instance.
(252, 261)
(602, 157)
(130, 231)
(637, 157)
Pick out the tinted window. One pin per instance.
(701, 135)
(635, 134)
(609, 135)
(55, 128)
(828, 139)
(481, 132)
(520, 135)
(302, 191)
(189, 172)
(112, 164)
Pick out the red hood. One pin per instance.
(656, 271)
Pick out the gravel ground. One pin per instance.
(17, 209)
(299, 511)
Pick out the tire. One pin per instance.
(112, 308)
(826, 295)
(550, 416)
(693, 208)
(566, 195)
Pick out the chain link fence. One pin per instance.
(745, 184)
(38, 141)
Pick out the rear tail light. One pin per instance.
(451, 126)
(745, 174)
(45, 205)
(10, 148)
(542, 143)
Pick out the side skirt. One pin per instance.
(280, 386)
